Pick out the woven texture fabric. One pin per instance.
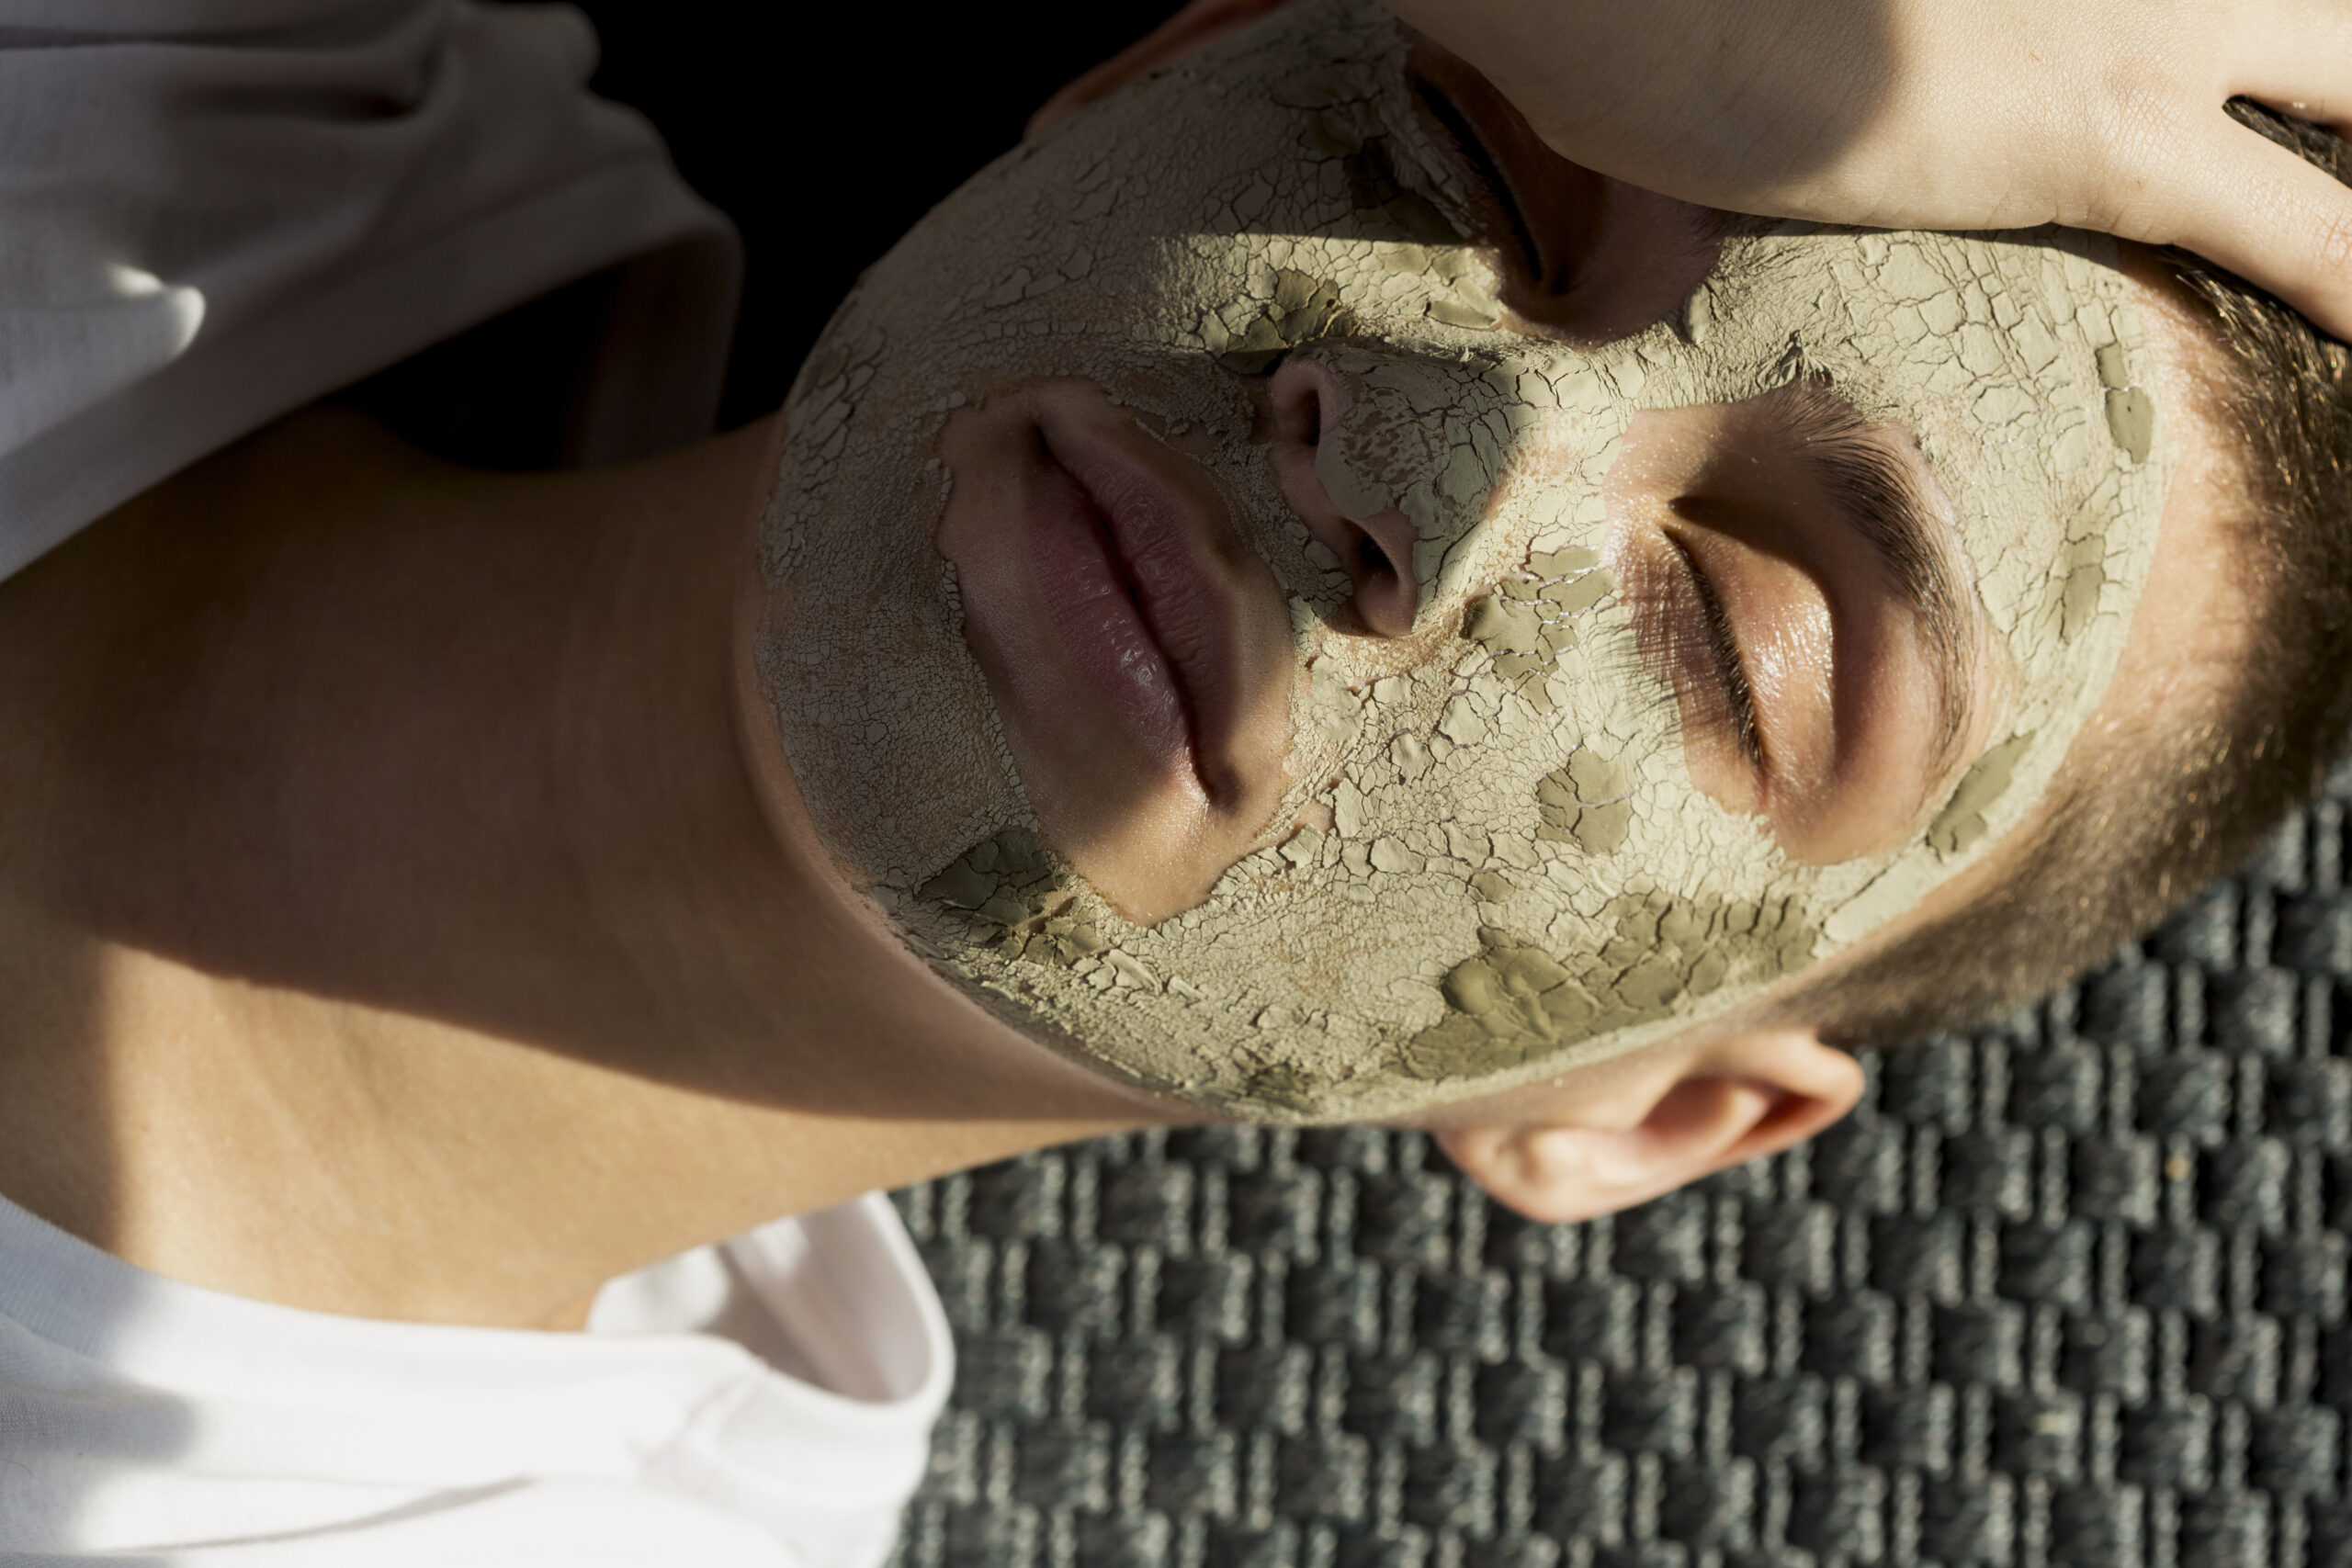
(2070, 1293)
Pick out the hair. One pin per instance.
(2144, 815)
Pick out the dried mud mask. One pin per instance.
(1490, 865)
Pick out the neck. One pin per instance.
(411, 919)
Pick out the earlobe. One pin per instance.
(1662, 1132)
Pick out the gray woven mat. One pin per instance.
(2069, 1292)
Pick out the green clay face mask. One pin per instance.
(1490, 863)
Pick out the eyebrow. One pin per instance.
(1881, 498)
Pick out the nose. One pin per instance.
(1377, 551)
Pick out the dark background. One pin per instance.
(826, 138)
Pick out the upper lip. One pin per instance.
(1163, 522)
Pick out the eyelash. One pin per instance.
(1731, 671)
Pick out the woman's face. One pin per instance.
(1293, 594)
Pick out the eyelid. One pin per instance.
(1723, 644)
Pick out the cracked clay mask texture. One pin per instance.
(1519, 877)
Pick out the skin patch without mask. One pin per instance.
(1489, 864)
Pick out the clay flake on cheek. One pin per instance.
(1486, 862)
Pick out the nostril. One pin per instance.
(1298, 404)
(1386, 599)
(1376, 551)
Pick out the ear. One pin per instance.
(1645, 1132)
(1200, 22)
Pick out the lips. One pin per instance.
(1123, 549)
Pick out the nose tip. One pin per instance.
(1377, 551)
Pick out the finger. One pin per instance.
(2302, 64)
(1199, 23)
(2258, 209)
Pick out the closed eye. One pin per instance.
(1801, 660)
(1487, 172)
(1738, 694)
(1579, 256)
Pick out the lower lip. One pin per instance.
(1096, 618)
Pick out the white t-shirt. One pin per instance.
(214, 211)
(768, 1402)
(211, 213)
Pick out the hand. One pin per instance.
(1921, 114)
(1950, 113)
